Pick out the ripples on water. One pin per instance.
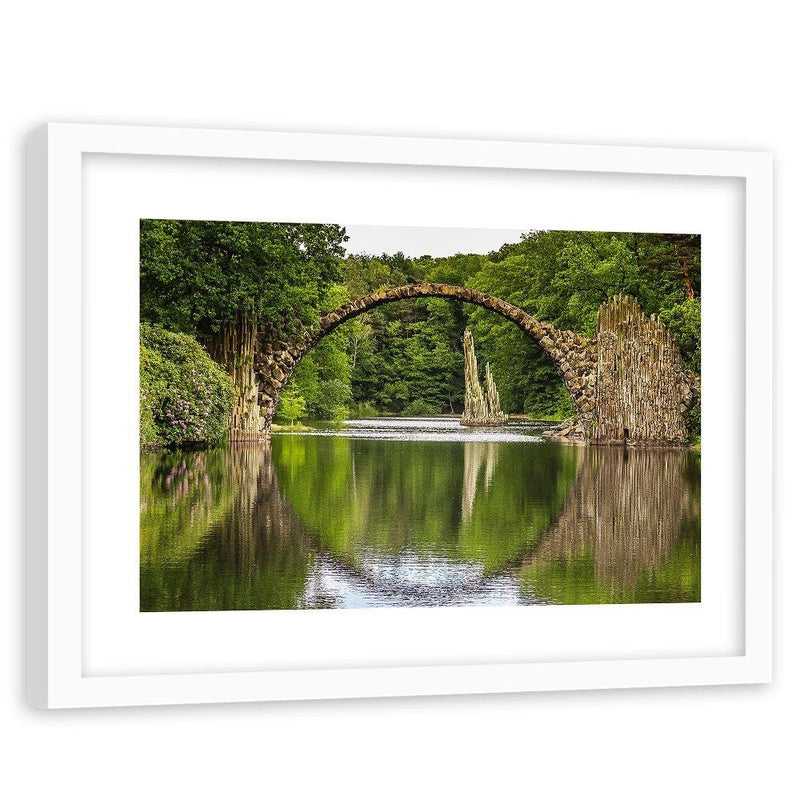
(417, 512)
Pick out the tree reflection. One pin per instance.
(239, 548)
(368, 501)
(311, 521)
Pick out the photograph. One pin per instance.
(358, 381)
(338, 416)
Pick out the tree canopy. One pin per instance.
(197, 276)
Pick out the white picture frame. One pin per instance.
(61, 597)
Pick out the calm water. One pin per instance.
(417, 512)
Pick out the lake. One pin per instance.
(417, 512)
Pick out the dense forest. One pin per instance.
(206, 279)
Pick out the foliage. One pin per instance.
(413, 352)
(292, 406)
(365, 410)
(683, 319)
(197, 275)
(323, 377)
(419, 408)
(693, 423)
(219, 280)
(185, 398)
(152, 391)
(339, 415)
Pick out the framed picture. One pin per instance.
(321, 416)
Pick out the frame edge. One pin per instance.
(40, 693)
(35, 420)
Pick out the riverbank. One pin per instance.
(297, 428)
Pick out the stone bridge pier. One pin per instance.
(628, 383)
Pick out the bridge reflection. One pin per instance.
(309, 525)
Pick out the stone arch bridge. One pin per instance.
(628, 383)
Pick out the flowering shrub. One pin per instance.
(185, 398)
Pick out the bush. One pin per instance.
(184, 397)
(339, 415)
(683, 320)
(420, 408)
(365, 410)
(333, 394)
(291, 405)
(693, 423)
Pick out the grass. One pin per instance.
(545, 417)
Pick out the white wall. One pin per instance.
(624, 73)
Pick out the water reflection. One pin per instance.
(629, 532)
(351, 521)
(480, 459)
(234, 546)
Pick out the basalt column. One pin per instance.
(643, 387)
(480, 408)
(233, 349)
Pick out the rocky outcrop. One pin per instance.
(570, 430)
(234, 348)
(481, 408)
(643, 387)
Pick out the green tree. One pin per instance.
(220, 280)
(683, 319)
(323, 377)
(292, 406)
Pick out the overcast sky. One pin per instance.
(375, 239)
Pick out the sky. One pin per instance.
(376, 239)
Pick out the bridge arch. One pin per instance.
(574, 356)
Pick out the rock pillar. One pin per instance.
(643, 387)
(480, 408)
(233, 349)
